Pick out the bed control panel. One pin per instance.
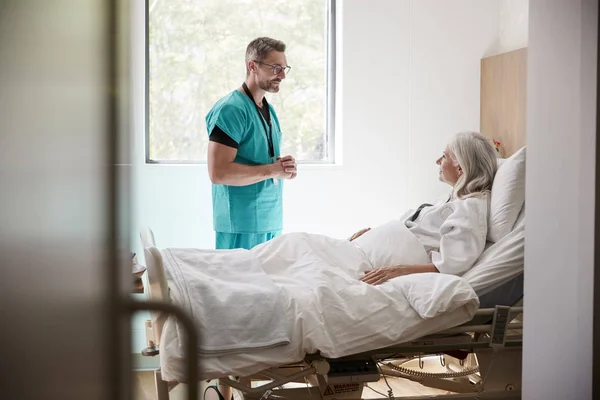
(353, 370)
(499, 325)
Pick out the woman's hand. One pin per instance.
(378, 276)
(359, 233)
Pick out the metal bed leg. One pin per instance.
(500, 370)
(162, 387)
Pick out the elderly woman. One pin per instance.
(452, 232)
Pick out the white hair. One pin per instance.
(477, 159)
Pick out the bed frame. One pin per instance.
(482, 358)
(493, 335)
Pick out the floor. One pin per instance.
(143, 385)
(144, 388)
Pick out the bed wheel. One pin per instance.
(150, 351)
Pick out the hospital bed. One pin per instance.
(479, 359)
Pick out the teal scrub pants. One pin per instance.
(246, 241)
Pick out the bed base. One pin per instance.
(481, 359)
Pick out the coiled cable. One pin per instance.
(440, 375)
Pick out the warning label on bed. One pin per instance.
(342, 388)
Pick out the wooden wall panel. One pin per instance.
(503, 99)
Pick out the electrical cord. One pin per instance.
(441, 375)
(216, 390)
(376, 391)
(390, 391)
(489, 368)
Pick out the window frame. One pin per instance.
(330, 97)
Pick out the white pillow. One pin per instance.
(500, 262)
(391, 244)
(508, 196)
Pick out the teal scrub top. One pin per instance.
(258, 207)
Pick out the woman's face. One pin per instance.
(450, 171)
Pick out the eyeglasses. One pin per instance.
(276, 68)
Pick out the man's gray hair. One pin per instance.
(258, 49)
(478, 160)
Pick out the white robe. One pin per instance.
(453, 233)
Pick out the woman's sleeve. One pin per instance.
(463, 235)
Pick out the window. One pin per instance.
(195, 55)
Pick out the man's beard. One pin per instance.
(268, 87)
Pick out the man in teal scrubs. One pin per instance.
(244, 160)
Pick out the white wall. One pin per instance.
(410, 75)
(561, 132)
(513, 29)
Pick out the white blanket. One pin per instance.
(327, 307)
(235, 305)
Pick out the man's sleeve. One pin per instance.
(231, 120)
(217, 135)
